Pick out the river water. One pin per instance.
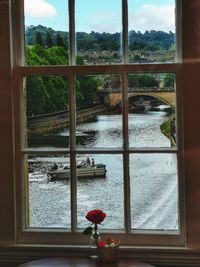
(153, 178)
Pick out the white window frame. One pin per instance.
(127, 237)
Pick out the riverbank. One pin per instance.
(168, 129)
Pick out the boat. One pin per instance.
(84, 169)
(141, 106)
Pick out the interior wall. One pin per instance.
(191, 112)
(6, 139)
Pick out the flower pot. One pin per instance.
(107, 253)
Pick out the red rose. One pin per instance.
(96, 216)
(101, 244)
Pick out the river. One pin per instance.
(153, 177)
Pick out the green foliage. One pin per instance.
(165, 127)
(114, 81)
(47, 94)
(169, 80)
(94, 41)
(31, 32)
(168, 128)
(38, 39)
(38, 55)
(32, 57)
(35, 91)
(59, 40)
(151, 40)
(49, 42)
(88, 231)
(142, 80)
(86, 90)
(57, 56)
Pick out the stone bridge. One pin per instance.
(166, 95)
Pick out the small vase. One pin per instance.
(95, 237)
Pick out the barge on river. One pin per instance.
(84, 169)
(140, 106)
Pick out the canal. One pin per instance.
(153, 177)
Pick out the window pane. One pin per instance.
(46, 115)
(99, 107)
(151, 31)
(46, 32)
(152, 110)
(47, 198)
(102, 191)
(154, 191)
(98, 31)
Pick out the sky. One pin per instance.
(102, 15)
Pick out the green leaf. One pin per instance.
(88, 231)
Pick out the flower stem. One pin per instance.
(95, 233)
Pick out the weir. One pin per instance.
(53, 121)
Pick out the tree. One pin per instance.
(137, 45)
(169, 80)
(86, 90)
(46, 93)
(140, 81)
(148, 80)
(59, 40)
(36, 95)
(133, 81)
(38, 39)
(49, 42)
(57, 89)
(137, 58)
(115, 81)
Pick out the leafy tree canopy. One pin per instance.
(95, 41)
(46, 94)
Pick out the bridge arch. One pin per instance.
(166, 97)
(164, 100)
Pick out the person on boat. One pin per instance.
(55, 167)
(88, 161)
(92, 162)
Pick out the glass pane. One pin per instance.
(152, 110)
(47, 194)
(98, 31)
(99, 111)
(101, 190)
(154, 192)
(46, 32)
(46, 114)
(151, 31)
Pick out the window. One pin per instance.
(99, 92)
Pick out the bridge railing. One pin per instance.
(139, 89)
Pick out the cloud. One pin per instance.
(102, 21)
(151, 17)
(39, 9)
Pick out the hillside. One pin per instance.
(94, 41)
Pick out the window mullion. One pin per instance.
(125, 31)
(73, 182)
(72, 53)
(126, 154)
(178, 41)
